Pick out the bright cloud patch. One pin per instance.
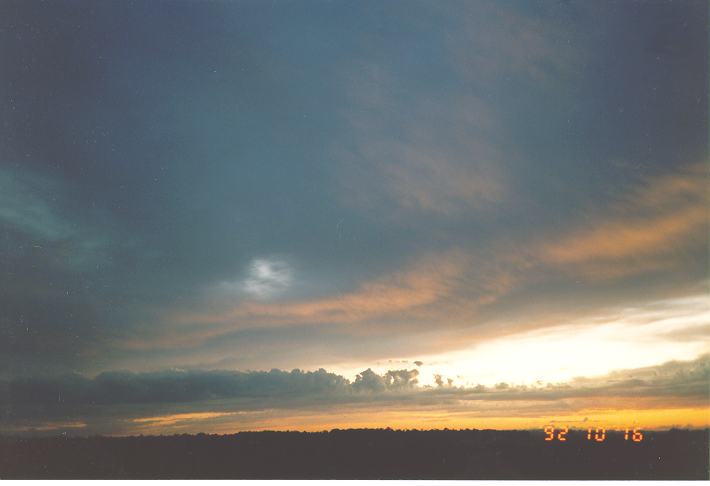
(267, 278)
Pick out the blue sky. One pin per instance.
(255, 185)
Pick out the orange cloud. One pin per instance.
(165, 420)
(49, 427)
(426, 282)
(429, 280)
(645, 229)
(622, 239)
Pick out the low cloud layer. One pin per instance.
(114, 398)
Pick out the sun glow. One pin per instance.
(621, 339)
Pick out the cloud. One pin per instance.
(653, 227)
(692, 334)
(437, 149)
(144, 398)
(72, 394)
(510, 44)
(163, 420)
(266, 278)
(425, 282)
(501, 290)
(23, 206)
(52, 427)
(400, 379)
(421, 176)
(50, 258)
(416, 150)
(32, 212)
(646, 230)
(628, 335)
(369, 381)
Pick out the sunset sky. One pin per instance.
(243, 215)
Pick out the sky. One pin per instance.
(245, 215)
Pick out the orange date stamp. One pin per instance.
(594, 434)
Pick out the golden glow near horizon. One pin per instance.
(313, 421)
(618, 339)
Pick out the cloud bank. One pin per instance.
(118, 397)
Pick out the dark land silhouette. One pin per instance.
(361, 454)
